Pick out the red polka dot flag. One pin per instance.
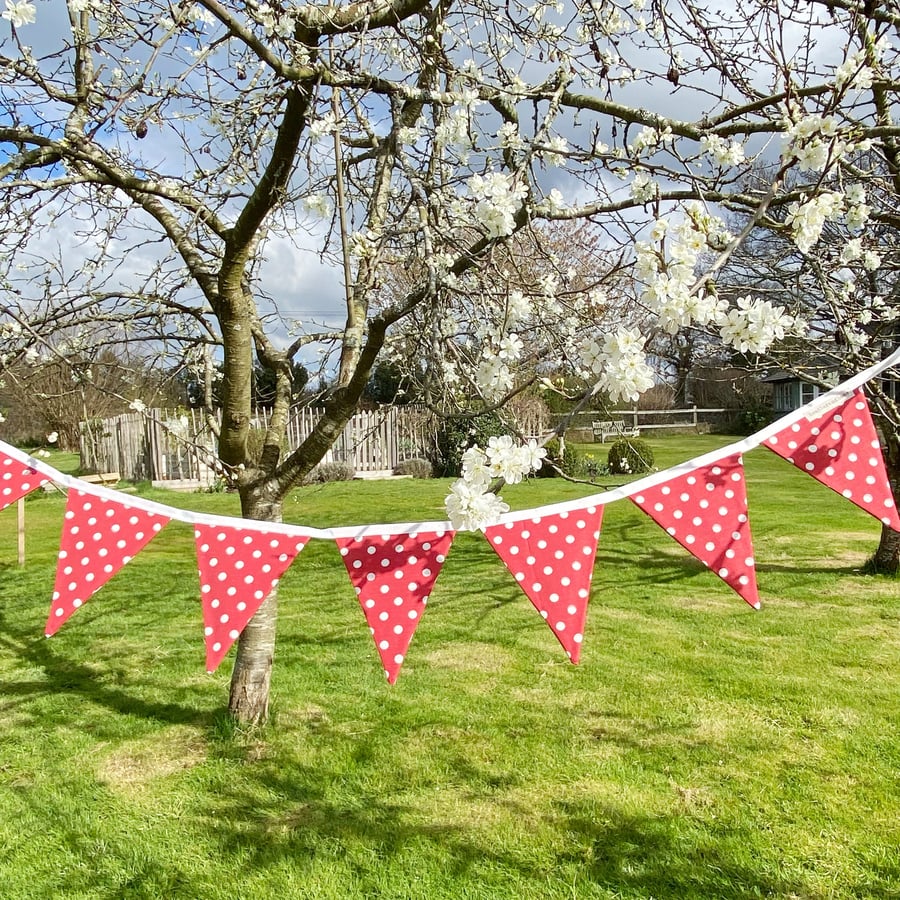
(239, 568)
(705, 510)
(393, 575)
(840, 448)
(552, 559)
(16, 480)
(99, 537)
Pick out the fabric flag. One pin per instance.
(393, 575)
(239, 568)
(706, 512)
(552, 559)
(840, 448)
(17, 480)
(99, 537)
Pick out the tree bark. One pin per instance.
(248, 702)
(887, 557)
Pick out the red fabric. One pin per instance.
(552, 559)
(393, 575)
(840, 448)
(16, 480)
(706, 512)
(99, 537)
(239, 568)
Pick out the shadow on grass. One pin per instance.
(373, 840)
(63, 675)
(647, 856)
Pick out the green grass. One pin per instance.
(700, 749)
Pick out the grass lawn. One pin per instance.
(700, 749)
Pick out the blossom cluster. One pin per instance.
(666, 265)
(754, 324)
(725, 153)
(808, 218)
(497, 199)
(19, 12)
(618, 363)
(470, 505)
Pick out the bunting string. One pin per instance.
(550, 551)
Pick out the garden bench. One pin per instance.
(612, 429)
(105, 478)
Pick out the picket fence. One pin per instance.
(169, 445)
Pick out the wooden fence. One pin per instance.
(690, 418)
(165, 445)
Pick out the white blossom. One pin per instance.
(808, 218)
(318, 205)
(137, 405)
(471, 508)
(754, 325)
(725, 153)
(871, 261)
(53, 437)
(643, 188)
(497, 199)
(19, 12)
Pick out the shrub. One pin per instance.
(331, 471)
(568, 461)
(457, 435)
(418, 468)
(629, 456)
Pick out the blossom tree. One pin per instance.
(156, 154)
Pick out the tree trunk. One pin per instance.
(252, 673)
(887, 556)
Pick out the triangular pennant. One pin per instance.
(552, 559)
(706, 512)
(840, 448)
(99, 537)
(17, 480)
(239, 567)
(393, 575)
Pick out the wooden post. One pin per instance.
(21, 521)
(695, 417)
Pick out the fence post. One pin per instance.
(696, 422)
(21, 529)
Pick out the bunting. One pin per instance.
(99, 537)
(552, 559)
(705, 510)
(393, 575)
(550, 551)
(840, 448)
(239, 568)
(17, 480)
